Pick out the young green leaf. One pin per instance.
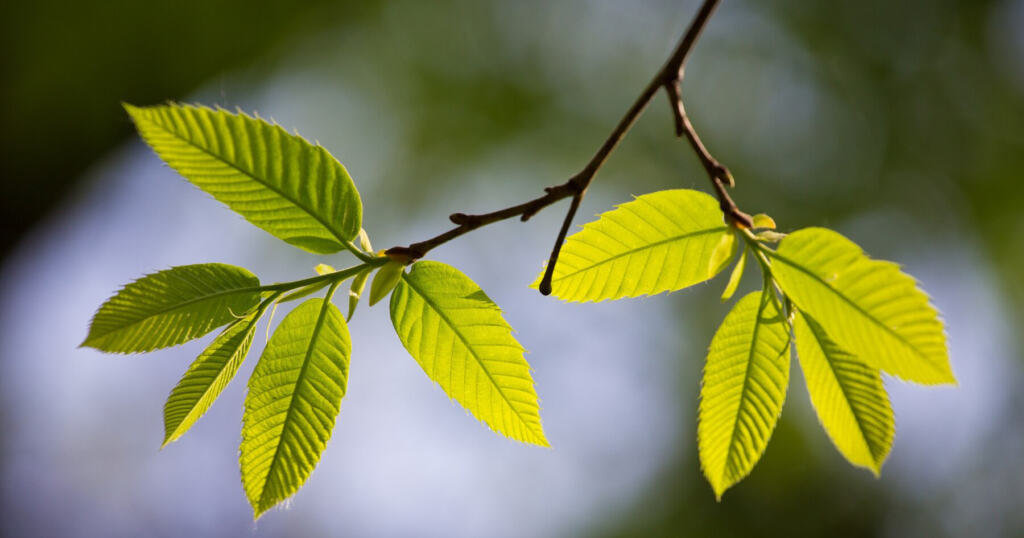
(294, 396)
(744, 386)
(207, 377)
(278, 181)
(385, 280)
(172, 306)
(458, 336)
(662, 241)
(761, 220)
(734, 277)
(356, 291)
(723, 252)
(364, 241)
(868, 307)
(848, 396)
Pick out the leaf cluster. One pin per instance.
(849, 317)
(299, 193)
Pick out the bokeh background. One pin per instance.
(900, 124)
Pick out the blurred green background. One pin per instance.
(900, 124)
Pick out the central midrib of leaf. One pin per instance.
(854, 305)
(842, 387)
(253, 176)
(746, 381)
(638, 249)
(291, 398)
(181, 305)
(472, 352)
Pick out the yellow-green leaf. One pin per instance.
(172, 307)
(278, 181)
(761, 220)
(734, 277)
(385, 280)
(744, 387)
(723, 252)
(364, 241)
(294, 396)
(356, 291)
(460, 339)
(868, 307)
(207, 377)
(848, 396)
(662, 241)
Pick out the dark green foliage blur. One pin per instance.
(67, 66)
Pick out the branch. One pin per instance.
(670, 78)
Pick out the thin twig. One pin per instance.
(668, 77)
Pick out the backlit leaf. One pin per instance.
(763, 221)
(207, 377)
(848, 395)
(662, 241)
(364, 241)
(294, 396)
(385, 280)
(868, 307)
(278, 181)
(460, 339)
(723, 252)
(735, 277)
(356, 291)
(172, 306)
(744, 387)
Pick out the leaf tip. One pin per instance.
(92, 341)
(171, 436)
(541, 440)
(719, 491)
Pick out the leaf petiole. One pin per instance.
(334, 278)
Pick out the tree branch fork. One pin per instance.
(668, 78)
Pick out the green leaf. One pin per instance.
(207, 377)
(769, 236)
(458, 336)
(278, 181)
(848, 395)
(294, 396)
(866, 306)
(385, 280)
(172, 306)
(734, 277)
(364, 241)
(662, 241)
(744, 387)
(356, 291)
(761, 220)
(723, 252)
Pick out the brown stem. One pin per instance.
(668, 77)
